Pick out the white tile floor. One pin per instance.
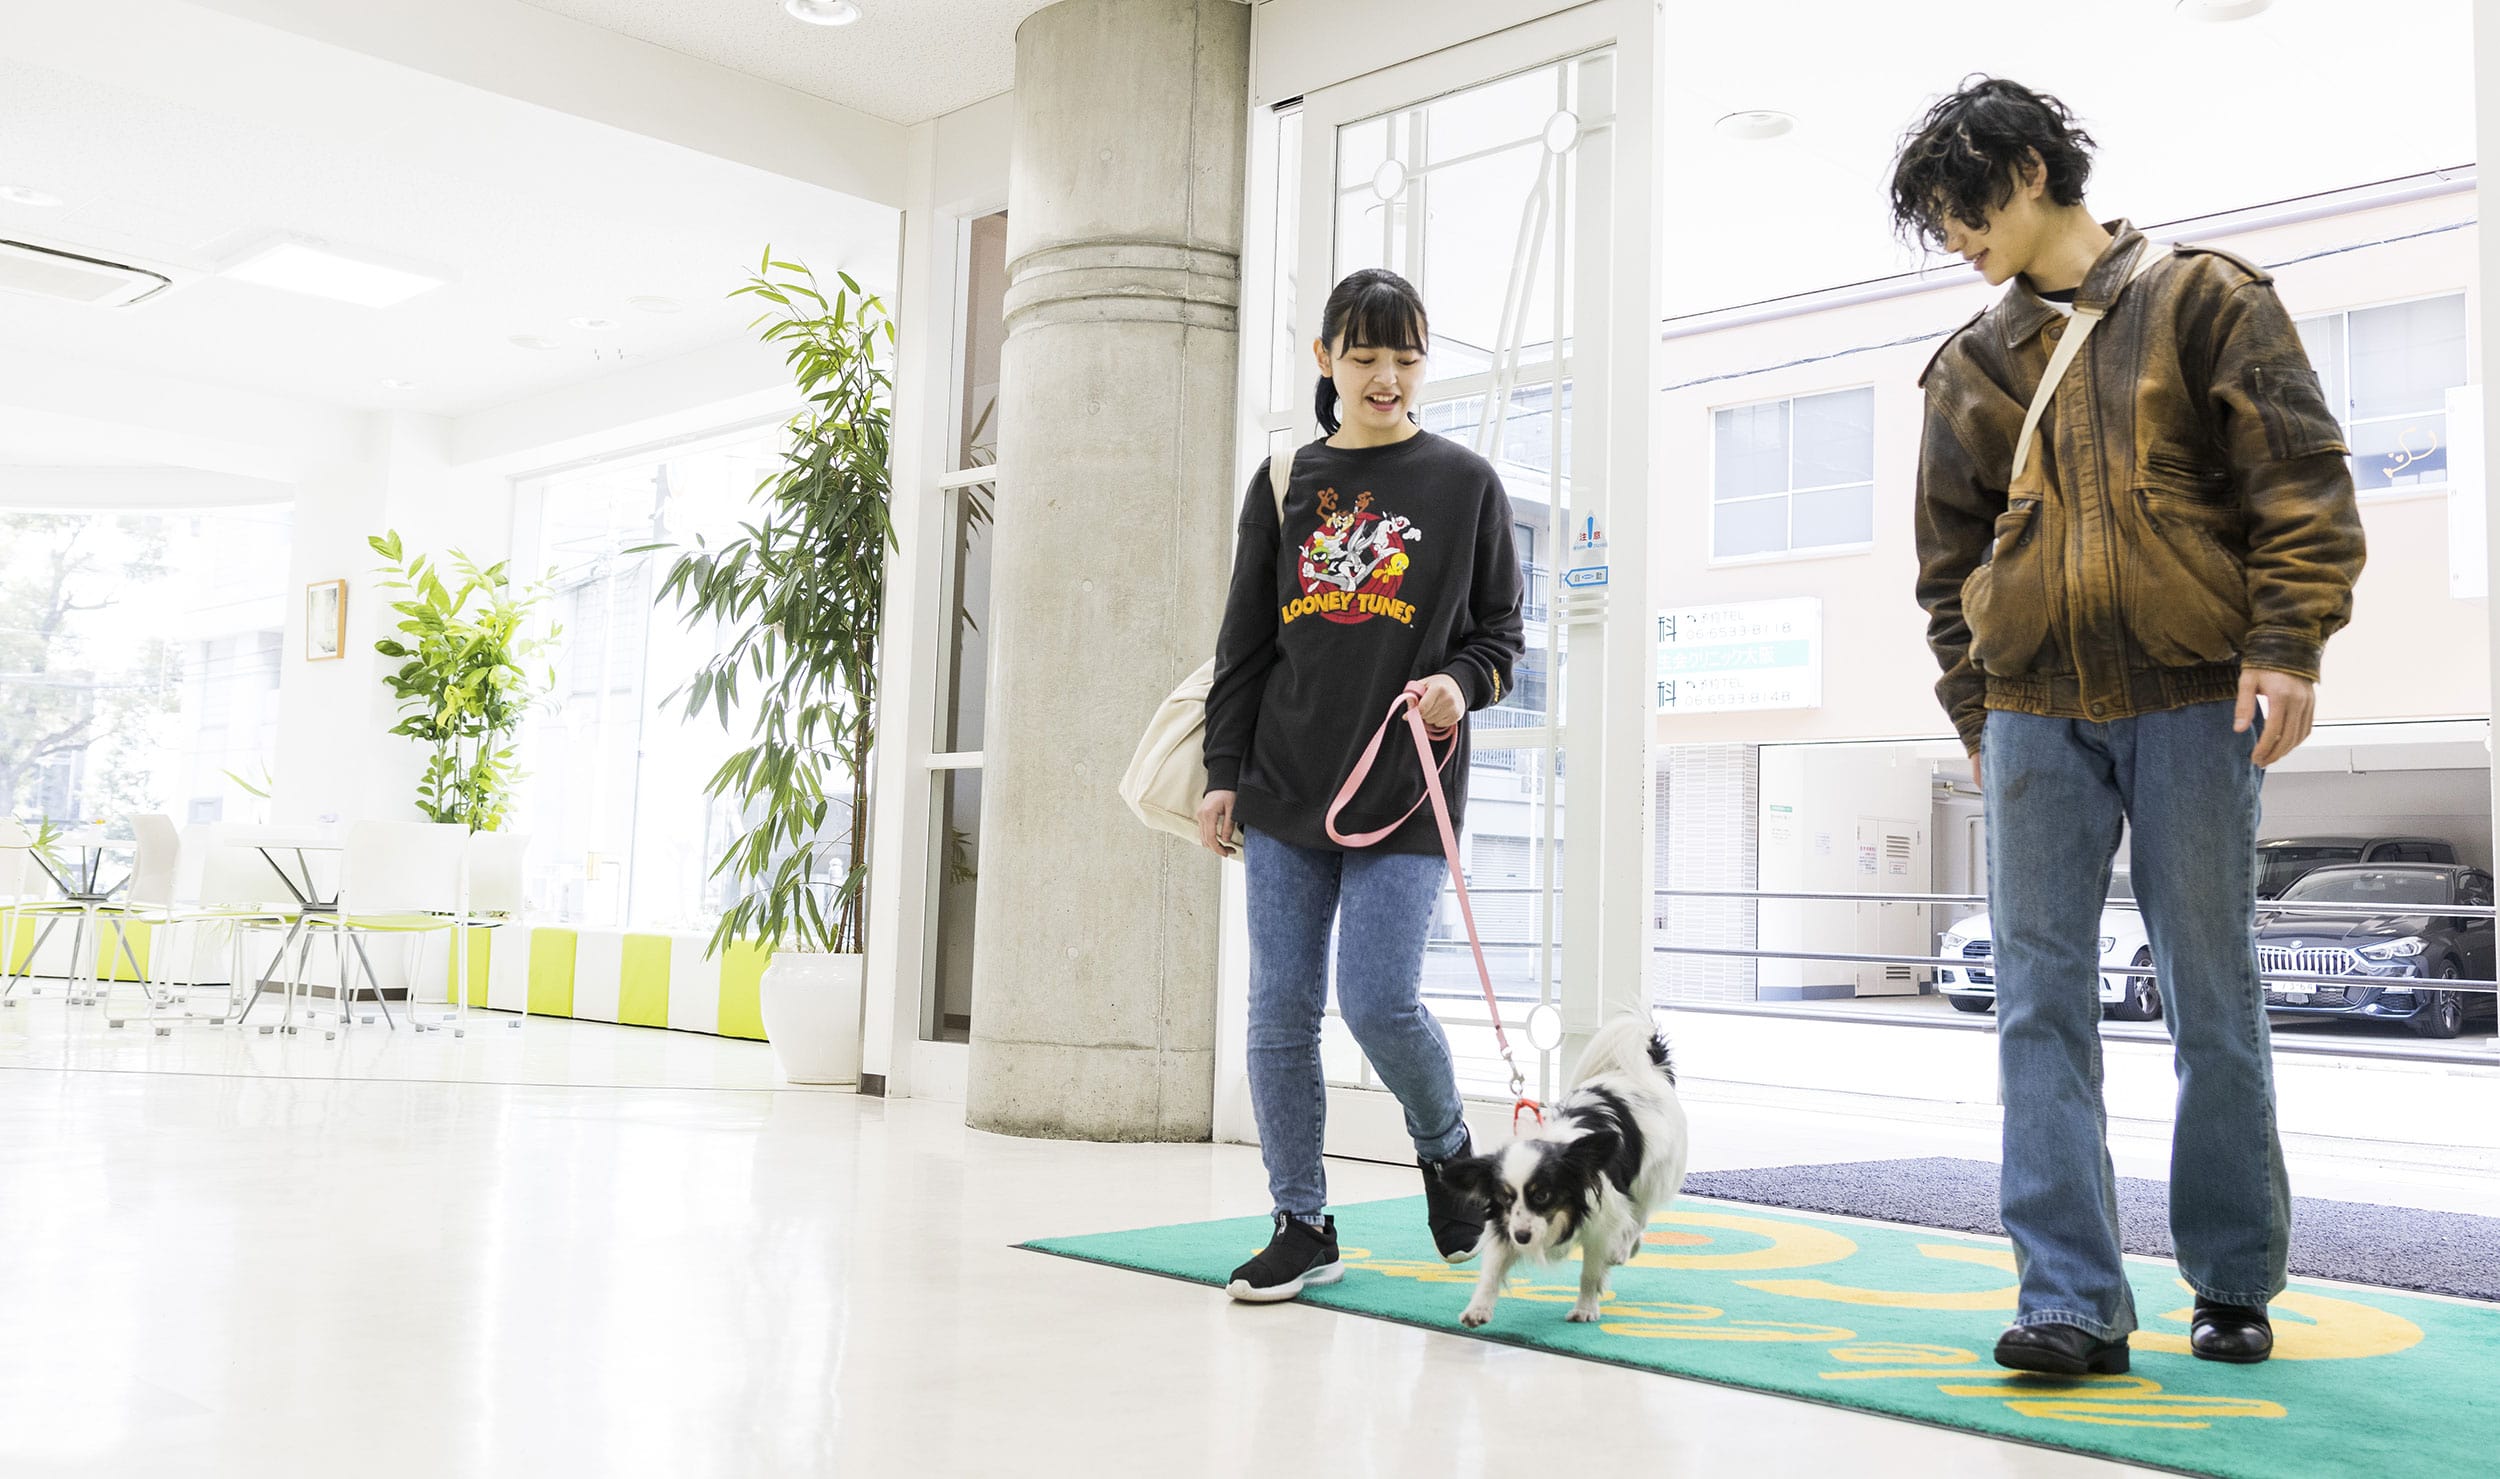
(580, 1250)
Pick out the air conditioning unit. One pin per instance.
(67, 277)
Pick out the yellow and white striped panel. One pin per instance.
(638, 980)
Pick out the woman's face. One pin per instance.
(1376, 388)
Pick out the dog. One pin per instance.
(1610, 1153)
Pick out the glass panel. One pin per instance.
(2410, 452)
(956, 867)
(984, 333)
(1756, 527)
(1830, 516)
(1835, 437)
(1472, 239)
(2324, 339)
(1511, 111)
(139, 661)
(1290, 372)
(1361, 149)
(2406, 356)
(960, 726)
(1750, 447)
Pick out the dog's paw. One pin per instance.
(1475, 1315)
(1583, 1313)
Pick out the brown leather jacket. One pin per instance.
(2187, 511)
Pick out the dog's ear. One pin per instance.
(1590, 1153)
(1471, 1177)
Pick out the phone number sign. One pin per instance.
(1751, 655)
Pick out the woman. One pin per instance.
(1393, 566)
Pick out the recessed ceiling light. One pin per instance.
(822, 12)
(593, 325)
(1754, 125)
(401, 385)
(535, 341)
(302, 266)
(28, 195)
(652, 303)
(2219, 10)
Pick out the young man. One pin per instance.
(2130, 630)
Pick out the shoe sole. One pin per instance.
(2039, 1362)
(2232, 1360)
(1245, 1292)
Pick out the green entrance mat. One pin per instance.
(1901, 1321)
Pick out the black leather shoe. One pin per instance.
(2060, 1350)
(2238, 1333)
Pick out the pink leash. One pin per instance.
(1410, 703)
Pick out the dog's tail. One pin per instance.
(1629, 1044)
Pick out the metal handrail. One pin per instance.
(2264, 906)
(2410, 983)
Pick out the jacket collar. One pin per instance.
(2022, 312)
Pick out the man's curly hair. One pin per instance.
(1963, 158)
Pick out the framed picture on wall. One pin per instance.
(325, 620)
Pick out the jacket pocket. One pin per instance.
(2185, 594)
(2006, 600)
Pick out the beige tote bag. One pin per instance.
(1167, 777)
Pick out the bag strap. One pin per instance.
(2086, 319)
(1279, 480)
(1409, 703)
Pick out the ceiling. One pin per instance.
(905, 61)
(2192, 118)
(537, 215)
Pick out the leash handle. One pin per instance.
(1409, 704)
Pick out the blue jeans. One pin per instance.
(2057, 792)
(1385, 902)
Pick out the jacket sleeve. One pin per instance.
(2286, 450)
(1959, 499)
(1245, 647)
(1489, 645)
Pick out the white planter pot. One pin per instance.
(811, 1015)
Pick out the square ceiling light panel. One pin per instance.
(301, 265)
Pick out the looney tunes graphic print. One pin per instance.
(1353, 563)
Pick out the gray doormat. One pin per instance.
(2357, 1242)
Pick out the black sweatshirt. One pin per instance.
(1400, 566)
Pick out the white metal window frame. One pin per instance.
(1795, 552)
(2343, 412)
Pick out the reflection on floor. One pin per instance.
(600, 1251)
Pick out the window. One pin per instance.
(625, 836)
(2387, 373)
(139, 659)
(1793, 475)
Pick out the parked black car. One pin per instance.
(2284, 861)
(2411, 943)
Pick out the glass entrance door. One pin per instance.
(1485, 179)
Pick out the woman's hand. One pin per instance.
(1443, 705)
(1215, 823)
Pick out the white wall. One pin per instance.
(2412, 650)
(1815, 837)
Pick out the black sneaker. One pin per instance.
(1298, 1257)
(1457, 1225)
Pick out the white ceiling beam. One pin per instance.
(69, 488)
(141, 418)
(537, 56)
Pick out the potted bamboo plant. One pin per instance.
(801, 591)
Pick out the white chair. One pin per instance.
(222, 882)
(497, 895)
(21, 883)
(397, 879)
(150, 884)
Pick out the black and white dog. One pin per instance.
(1609, 1154)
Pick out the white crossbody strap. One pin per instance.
(1280, 478)
(2067, 348)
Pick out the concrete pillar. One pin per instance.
(1094, 984)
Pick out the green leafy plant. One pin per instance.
(803, 590)
(462, 683)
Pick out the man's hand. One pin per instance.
(1975, 779)
(1215, 823)
(1443, 705)
(2291, 704)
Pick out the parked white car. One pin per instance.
(2124, 944)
